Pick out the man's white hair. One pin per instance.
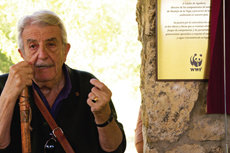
(43, 18)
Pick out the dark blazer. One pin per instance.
(74, 117)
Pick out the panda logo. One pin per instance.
(196, 60)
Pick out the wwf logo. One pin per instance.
(196, 60)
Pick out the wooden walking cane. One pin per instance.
(25, 121)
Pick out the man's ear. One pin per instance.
(67, 48)
(21, 53)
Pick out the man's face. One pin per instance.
(43, 45)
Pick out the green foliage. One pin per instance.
(103, 38)
(103, 35)
(5, 63)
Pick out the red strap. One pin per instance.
(57, 131)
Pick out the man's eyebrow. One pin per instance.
(51, 39)
(33, 40)
(30, 40)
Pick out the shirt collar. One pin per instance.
(61, 96)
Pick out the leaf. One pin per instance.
(5, 62)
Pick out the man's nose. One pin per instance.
(42, 52)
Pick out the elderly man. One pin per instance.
(80, 104)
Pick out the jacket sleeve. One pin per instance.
(85, 77)
(15, 145)
(121, 148)
(2, 83)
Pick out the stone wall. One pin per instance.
(174, 112)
